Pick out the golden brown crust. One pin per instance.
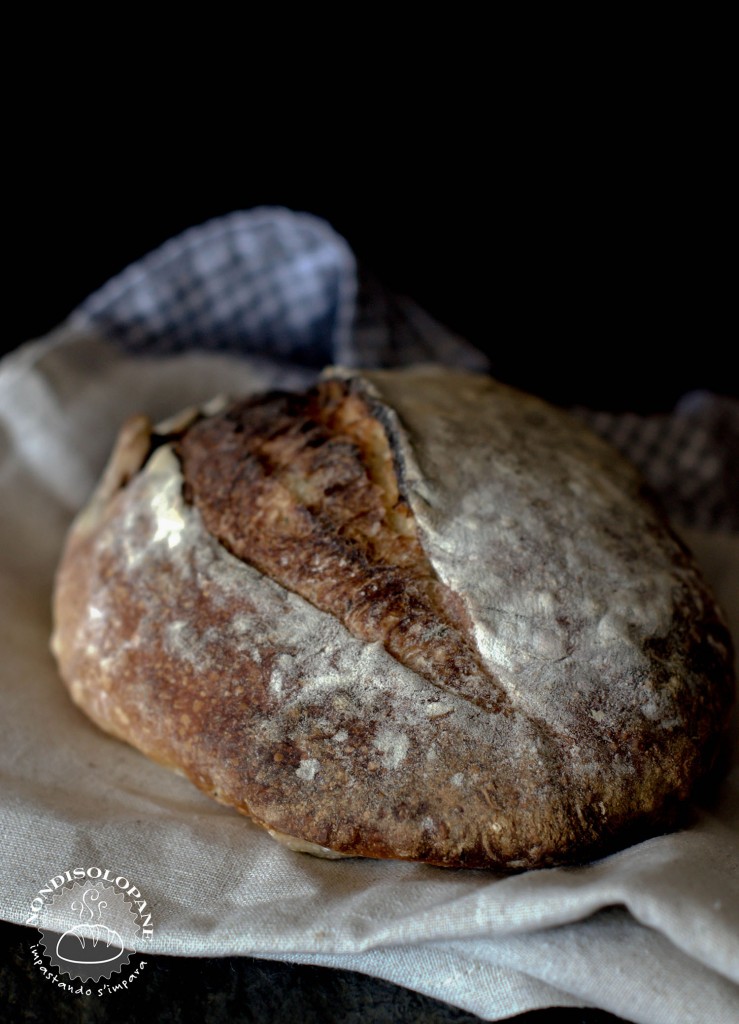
(307, 605)
(303, 488)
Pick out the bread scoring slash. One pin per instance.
(410, 614)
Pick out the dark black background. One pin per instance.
(582, 246)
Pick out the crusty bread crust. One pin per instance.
(410, 614)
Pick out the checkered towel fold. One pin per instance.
(276, 285)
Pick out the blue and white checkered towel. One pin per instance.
(284, 286)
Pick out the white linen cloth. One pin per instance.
(650, 933)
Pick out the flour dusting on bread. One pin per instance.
(411, 614)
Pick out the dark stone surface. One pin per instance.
(238, 990)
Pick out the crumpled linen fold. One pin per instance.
(265, 299)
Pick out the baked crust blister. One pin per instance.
(411, 614)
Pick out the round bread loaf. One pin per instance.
(410, 614)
